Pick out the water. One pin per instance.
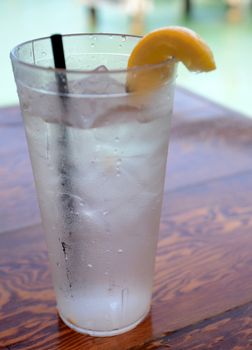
(99, 182)
(228, 32)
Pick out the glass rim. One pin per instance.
(13, 57)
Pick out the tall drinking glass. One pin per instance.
(98, 154)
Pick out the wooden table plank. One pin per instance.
(207, 141)
(231, 330)
(204, 261)
(18, 199)
(195, 136)
(204, 250)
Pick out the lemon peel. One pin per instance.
(160, 45)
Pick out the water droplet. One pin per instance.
(124, 297)
(118, 173)
(107, 251)
(92, 44)
(118, 162)
(58, 264)
(124, 38)
(90, 266)
(119, 251)
(105, 212)
(116, 139)
(97, 148)
(25, 106)
(106, 273)
(43, 53)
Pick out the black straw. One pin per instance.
(59, 62)
(64, 161)
(58, 51)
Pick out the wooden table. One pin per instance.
(203, 281)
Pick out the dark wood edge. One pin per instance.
(162, 341)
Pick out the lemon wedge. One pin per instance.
(181, 44)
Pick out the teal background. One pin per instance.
(227, 30)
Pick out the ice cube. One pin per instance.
(95, 101)
(97, 83)
(101, 68)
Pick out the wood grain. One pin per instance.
(204, 260)
(203, 268)
(199, 127)
(232, 330)
(19, 205)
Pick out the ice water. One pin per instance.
(99, 164)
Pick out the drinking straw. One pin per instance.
(64, 162)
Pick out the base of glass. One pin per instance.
(108, 333)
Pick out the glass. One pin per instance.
(98, 155)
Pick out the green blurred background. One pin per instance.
(225, 24)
